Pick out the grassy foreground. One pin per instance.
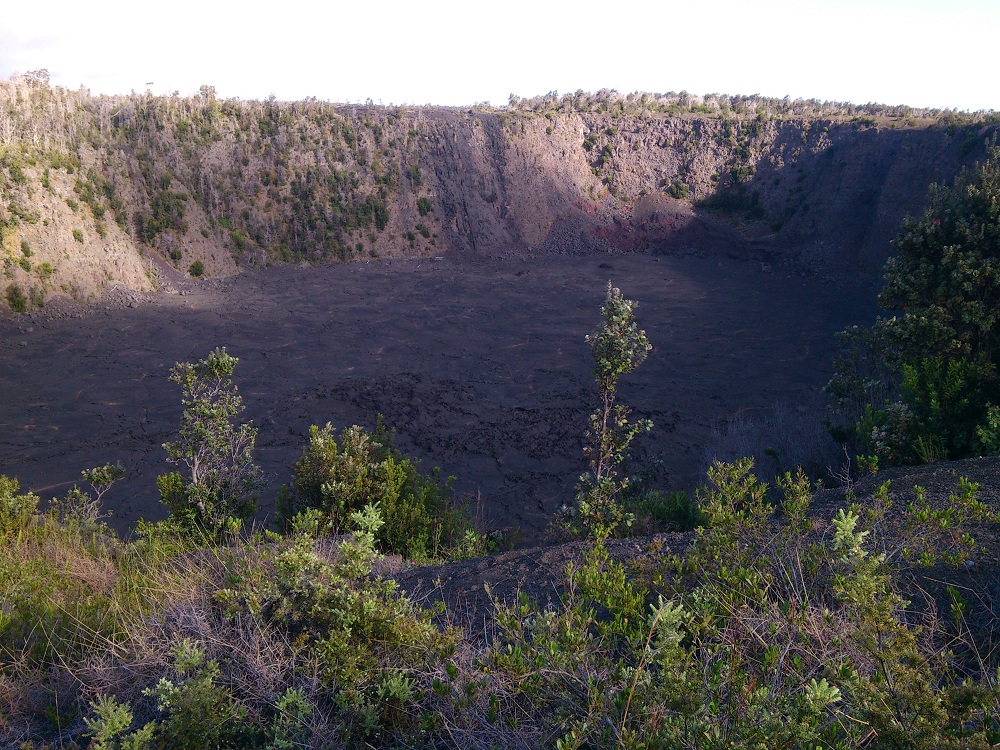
(774, 629)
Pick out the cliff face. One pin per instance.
(829, 195)
(97, 191)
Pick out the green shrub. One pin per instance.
(26, 249)
(767, 632)
(195, 710)
(17, 301)
(25, 264)
(240, 239)
(78, 235)
(45, 270)
(16, 511)
(948, 401)
(736, 200)
(66, 161)
(56, 582)
(679, 190)
(17, 175)
(278, 643)
(338, 477)
(197, 269)
(741, 173)
(221, 483)
(167, 209)
(424, 205)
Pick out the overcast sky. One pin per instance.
(924, 53)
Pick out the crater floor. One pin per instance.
(481, 368)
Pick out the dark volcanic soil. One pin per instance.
(481, 367)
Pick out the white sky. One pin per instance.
(925, 53)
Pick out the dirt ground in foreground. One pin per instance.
(481, 367)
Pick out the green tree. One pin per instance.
(222, 480)
(941, 350)
(619, 346)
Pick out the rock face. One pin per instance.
(829, 195)
(105, 189)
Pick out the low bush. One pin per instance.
(267, 643)
(337, 477)
(679, 190)
(17, 300)
(775, 628)
(736, 200)
(772, 630)
(280, 643)
(166, 213)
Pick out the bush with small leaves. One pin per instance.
(936, 394)
(773, 629)
(281, 643)
(17, 300)
(222, 481)
(679, 190)
(339, 477)
(619, 346)
(110, 720)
